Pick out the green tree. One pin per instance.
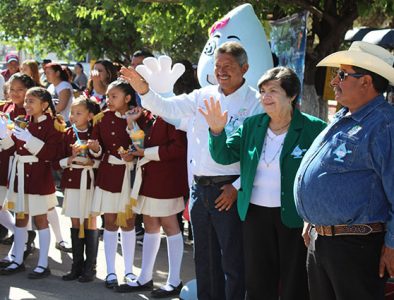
(178, 28)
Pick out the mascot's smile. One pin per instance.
(211, 79)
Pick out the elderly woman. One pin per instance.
(270, 147)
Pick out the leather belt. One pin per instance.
(357, 229)
(214, 180)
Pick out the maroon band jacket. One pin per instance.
(111, 133)
(166, 178)
(13, 111)
(38, 175)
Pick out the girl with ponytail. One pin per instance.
(31, 189)
(60, 88)
(10, 110)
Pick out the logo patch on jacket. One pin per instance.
(298, 152)
(341, 152)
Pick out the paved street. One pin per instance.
(19, 287)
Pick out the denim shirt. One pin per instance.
(347, 175)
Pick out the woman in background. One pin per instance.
(80, 80)
(60, 89)
(30, 68)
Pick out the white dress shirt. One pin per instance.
(241, 104)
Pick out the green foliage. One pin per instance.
(116, 28)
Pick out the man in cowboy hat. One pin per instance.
(344, 188)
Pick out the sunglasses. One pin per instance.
(342, 75)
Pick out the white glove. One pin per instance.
(3, 128)
(158, 73)
(22, 134)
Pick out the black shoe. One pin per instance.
(3, 232)
(30, 246)
(31, 235)
(36, 275)
(9, 271)
(8, 240)
(4, 263)
(161, 293)
(125, 288)
(110, 284)
(73, 275)
(89, 278)
(61, 246)
(29, 250)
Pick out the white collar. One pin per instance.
(119, 115)
(85, 130)
(41, 118)
(238, 93)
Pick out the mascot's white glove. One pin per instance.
(159, 75)
(22, 134)
(3, 128)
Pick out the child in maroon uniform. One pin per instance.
(160, 186)
(110, 141)
(9, 110)
(31, 189)
(78, 184)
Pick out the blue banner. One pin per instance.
(288, 42)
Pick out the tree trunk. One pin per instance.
(330, 28)
(313, 104)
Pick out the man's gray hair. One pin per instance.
(235, 49)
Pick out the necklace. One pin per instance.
(267, 163)
(280, 128)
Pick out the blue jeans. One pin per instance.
(218, 250)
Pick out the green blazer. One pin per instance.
(245, 145)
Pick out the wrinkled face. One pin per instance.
(136, 61)
(346, 91)
(13, 67)
(239, 25)
(25, 69)
(274, 98)
(17, 92)
(34, 106)
(229, 74)
(117, 100)
(80, 116)
(103, 72)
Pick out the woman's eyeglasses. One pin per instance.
(342, 75)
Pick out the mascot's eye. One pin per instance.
(210, 48)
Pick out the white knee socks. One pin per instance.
(175, 254)
(7, 220)
(53, 220)
(110, 245)
(20, 239)
(128, 247)
(44, 238)
(149, 252)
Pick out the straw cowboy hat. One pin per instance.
(364, 55)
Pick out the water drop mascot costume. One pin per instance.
(239, 25)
